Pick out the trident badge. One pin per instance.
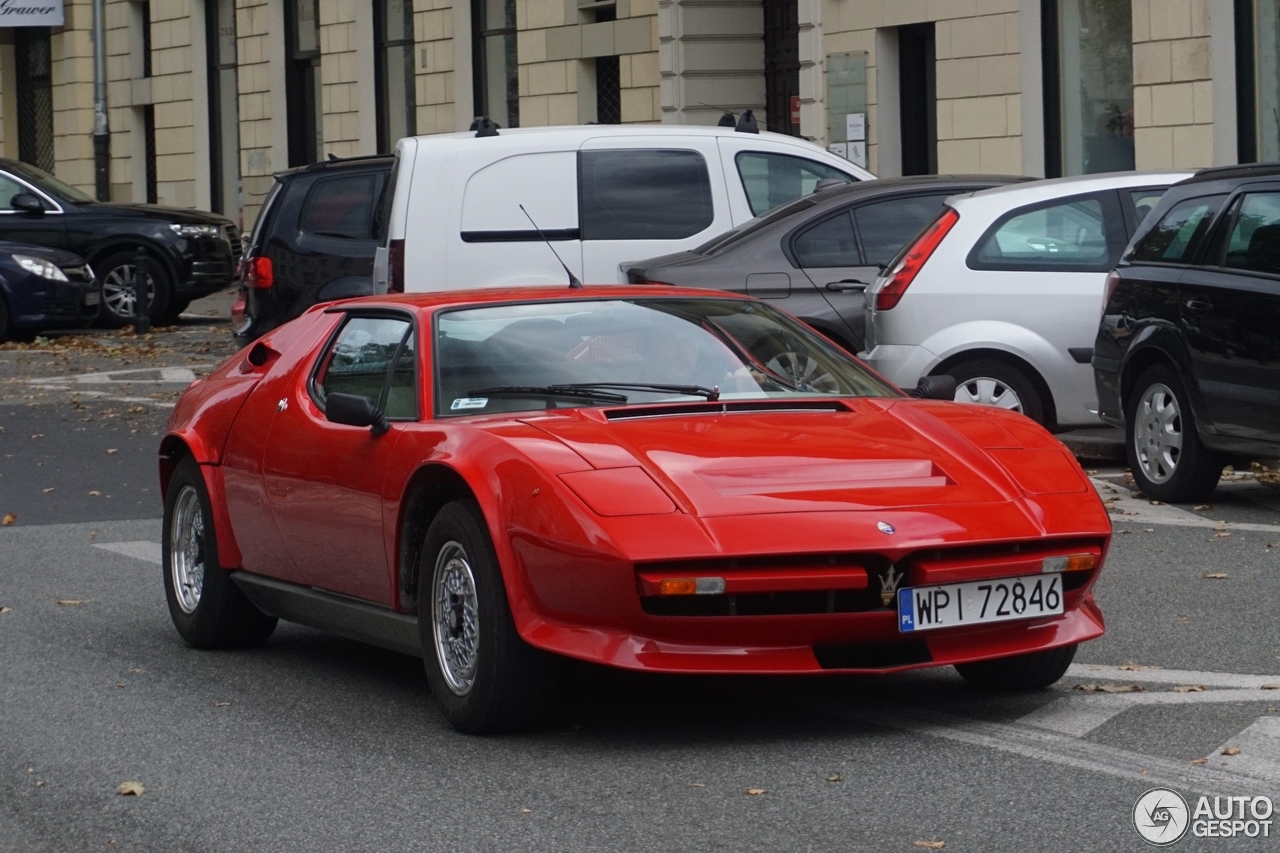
(889, 585)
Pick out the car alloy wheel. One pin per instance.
(455, 618)
(119, 290)
(988, 391)
(1157, 433)
(803, 372)
(186, 550)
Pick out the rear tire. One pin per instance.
(1165, 454)
(207, 608)
(485, 677)
(1034, 671)
(991, 382)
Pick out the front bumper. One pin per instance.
(61, 304)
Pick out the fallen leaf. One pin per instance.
(1270, 685)
(834, 777)
(38, 435)
(1111, 688)
(1222, 534)
(112, 450)
(130, 789)
(696, 785)
(930, 845)
(9, 518)
(1214, 576)
(1231, 750)
(1148, 530)
(1198, 761)
(526, 811)
(1131, 667)
(94, 494)
(1156, 503)
(1202, 507)
(39, 783)
(50, 489)
(120, 684)
(5, 609)
(1145, 772)
(73, 602)
(221, 704)
(138, 669)
(755, 792)
(1189, 688)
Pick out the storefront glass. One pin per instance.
(1095, 72)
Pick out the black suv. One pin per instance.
(1187, 357)
(189, 253)
(313, 242)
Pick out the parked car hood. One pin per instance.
(57, 256)
(885, 453)
(181, 215)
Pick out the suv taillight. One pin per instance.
(258, 273)
(1113, 279)
(904, 272)
(395, 266)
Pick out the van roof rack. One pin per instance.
(484, 126)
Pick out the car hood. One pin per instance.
(180, 215)
(874, 454)
(57, 256)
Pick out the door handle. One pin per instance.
(1198, 305)
(847, 285)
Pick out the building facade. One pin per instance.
(207, 98)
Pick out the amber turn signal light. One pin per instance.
(691, 586)
(1069, 563)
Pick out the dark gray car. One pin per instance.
(816, 255)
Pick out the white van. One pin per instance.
(603, 195)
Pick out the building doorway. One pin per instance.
(918, 99)
(782, 66)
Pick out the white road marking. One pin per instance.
(1259, 747)
(147, 551)
(115, 384)
(1127, 509)
(1155, 675)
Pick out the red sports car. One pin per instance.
(648, 478)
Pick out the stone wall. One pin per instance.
(1172, 93)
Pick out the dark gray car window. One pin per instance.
(1179, 230)
(643, 194)
(830, 243)
(1254, 244)
(340, 207)
(886, 225)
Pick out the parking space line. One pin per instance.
(1259, 749)
(1155, 675)
(139, 550)
(1127, 509)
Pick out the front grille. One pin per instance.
(234, 238)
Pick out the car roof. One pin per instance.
(479, 297)
(1076, 184)
(1235, 172)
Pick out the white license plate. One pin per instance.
(952, 605)
(93, 297)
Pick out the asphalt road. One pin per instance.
(318, 743)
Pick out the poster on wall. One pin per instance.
(31, 13)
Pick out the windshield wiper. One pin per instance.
(584, 393)
(711, 394)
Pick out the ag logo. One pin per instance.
(1161, 816)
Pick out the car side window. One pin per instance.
(830, 243)
(1178, 231)
(1067, 234)
(340, 207)
(372, 357)
(1254, 244)
(643, 194)
(8, 189)
(886, 225)
(770, 180)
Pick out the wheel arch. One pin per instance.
(431, 487)
(131, 244)
(174, 449)
(1006, 357)
(1152, 348)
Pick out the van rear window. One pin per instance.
(643, 194)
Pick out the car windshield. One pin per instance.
(50, 184)
(573, 353)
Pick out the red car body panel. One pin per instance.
(586, 509)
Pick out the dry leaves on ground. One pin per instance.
(1214, 576)
(1198, 761)
(1202, 507)
(9, 518)
(5, 609)
(1189, 688)
(1131, 667)
(1110, 688)
(930, 845)
(1269, 686)
(130, 789)
(755, 792)
(73, 602)
(834, 777)
(95, 494)
(1231, 750)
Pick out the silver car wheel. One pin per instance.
(1157, 433)
(119, 291)
(986, 391)
(455, 619)
(186, 549)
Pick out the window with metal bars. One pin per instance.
(608, 90)
(34, 95)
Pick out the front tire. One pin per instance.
(1165, 454)
(207, 608)
(1033, 671)
(120, 299)
(485, 677)
(991, 382)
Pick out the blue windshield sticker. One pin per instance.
(469, 403)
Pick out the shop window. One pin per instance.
(493, 54)
(395, 93)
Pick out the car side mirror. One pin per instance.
(27, 203)
(355, 410)
(935, 388)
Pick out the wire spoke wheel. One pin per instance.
(1157, 433)
(186, 550)
(455, 618)
(987, 391)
